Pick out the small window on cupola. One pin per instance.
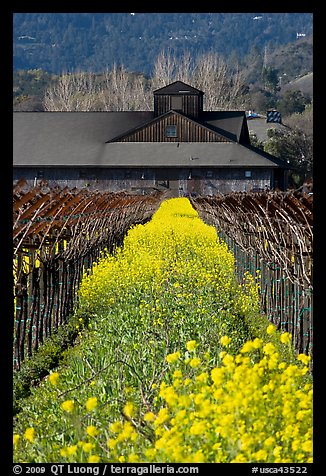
(176, 103)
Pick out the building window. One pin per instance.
(162, 183)
(171, 131)
(87, 174)
(40, 174)
(209, 174)
(248, 173)
(176, 103)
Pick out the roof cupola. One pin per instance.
(180, 97)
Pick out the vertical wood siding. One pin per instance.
(192, 105)
(187, 131)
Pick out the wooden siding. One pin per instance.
(177, 181)
(192, 105)
(187, 131)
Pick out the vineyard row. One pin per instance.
(271, 234)
(59, 233)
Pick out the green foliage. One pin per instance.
(295, 147)
(270, 79)
(261, 100)
(48, 356)
(30, 83)
(254, 141)
(292, 102)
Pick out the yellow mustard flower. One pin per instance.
(29, 434)
(173, 357)
(87, 447)
(271, 329)
(92, 430)
(194, 362)
(53, 378)
(198, 428)
(64, 452)
(129, 409)
(68, 406)
(177, 374)
(225, 340)
(133, 458)
(149, 416)
(305, 359)
(269, 348)
(307, 446)
(91, 403)
(72, 450)
(112, 443)
(285, 338)
(257, 343)
(115, 427)
(191, 345)
(68, 451)
(247, 347)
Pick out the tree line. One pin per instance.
(120, 90)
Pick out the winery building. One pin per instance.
(178, 147)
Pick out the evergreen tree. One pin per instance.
(270, 78)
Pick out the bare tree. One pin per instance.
(211, 77)
(121, 90)
(164, 70)
(185, 68)
(223, 89)
(113, 94)
(142, 96)
(72, 92)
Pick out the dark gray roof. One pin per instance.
(230, 123)
(186, 154)
(178, 87)
(259, 126)
(73, 139)
(82, 126)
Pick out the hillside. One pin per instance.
(294, 59)
(60, 42)
(303, 84)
